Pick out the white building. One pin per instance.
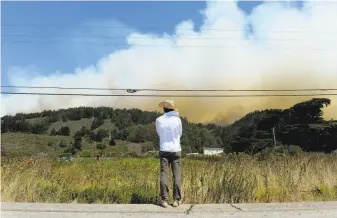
(189, 154)
(213, 151)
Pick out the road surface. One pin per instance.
(279, 210)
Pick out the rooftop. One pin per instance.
(213, 149)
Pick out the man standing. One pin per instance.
(169, 129)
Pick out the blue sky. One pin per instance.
(54, 30)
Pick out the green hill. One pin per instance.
(300, 125)
(108, 129)
(25, 144)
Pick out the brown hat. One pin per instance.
(168, 104)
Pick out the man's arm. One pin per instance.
(157, 126)
(180, 128)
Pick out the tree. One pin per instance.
(77, 141)
(91, 136)
(308, 111)
(54, 118)
(96, 123)
(65, 131)
(137, 134)
(112, 142)
(101, 146)
(71, 150)
(83, 131)
(100, 135)
(78, 144)
(53, 132)
(62, 144)
(65, 116)
(35, 128)
(123, 119)
(123, 135)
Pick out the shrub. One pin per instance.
(64, 130)
(101, 146)
(112, 142)
(71, 150)
(148, 146)
(86, 153)
(62, 144)
(101, 134)
(53, 132)
(96, 123)
(294, 150)
(132, 154)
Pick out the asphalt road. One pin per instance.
(284, 210)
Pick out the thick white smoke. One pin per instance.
(289, 48)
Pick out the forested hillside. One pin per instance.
(301, 125)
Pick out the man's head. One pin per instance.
(168, 106)
(166, 110)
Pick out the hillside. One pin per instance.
(134, 129)
(104, 128)
(23, 144)
(300, 125)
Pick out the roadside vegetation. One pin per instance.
(233, 178)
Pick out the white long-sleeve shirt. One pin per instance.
(169, 129)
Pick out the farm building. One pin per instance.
(213, 151)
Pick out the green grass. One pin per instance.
(233, 178)
(76, 125)
(107, 125)
(22, 144)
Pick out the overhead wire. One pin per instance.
(12, 39)
(168, 90)
(176, 96)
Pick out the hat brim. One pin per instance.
(162, 105)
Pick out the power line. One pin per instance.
(172, 45)
(165, 28)
(176, 96)
(170, 90)
(157, 37)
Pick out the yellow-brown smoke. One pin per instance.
(227, 110)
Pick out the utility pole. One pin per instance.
(274, 136)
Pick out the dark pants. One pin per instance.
(167, 159)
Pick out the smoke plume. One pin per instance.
(287, 48)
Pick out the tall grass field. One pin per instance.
(229, 179)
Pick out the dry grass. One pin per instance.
(234, 178)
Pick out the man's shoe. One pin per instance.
(164, 204)
(176, 203)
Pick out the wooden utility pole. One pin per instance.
(274, 136)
